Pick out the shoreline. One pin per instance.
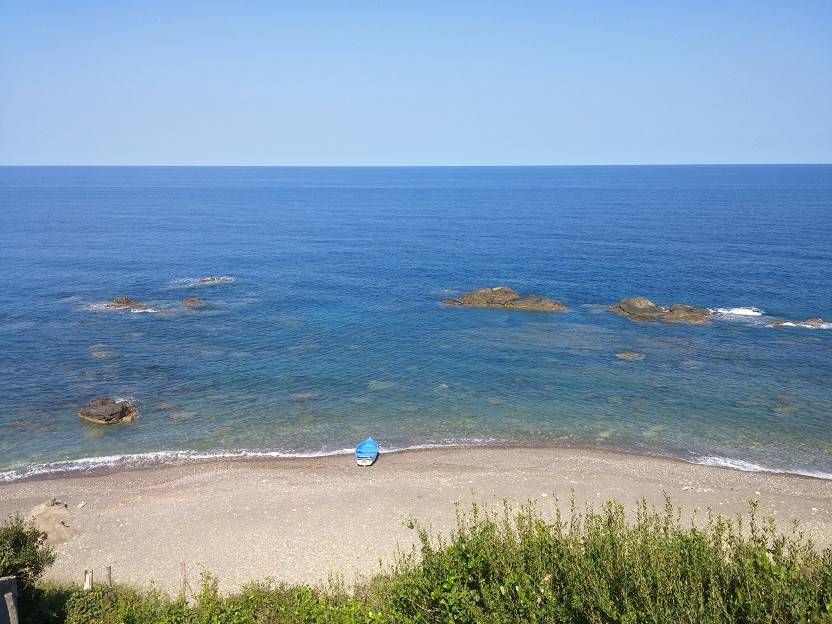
(300, 520)
(130, 462)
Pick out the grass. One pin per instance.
(516, 566)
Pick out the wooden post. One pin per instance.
(87, 580)
(184, 579)
(12, 608)
(109, 576)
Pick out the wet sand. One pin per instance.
(301, 520)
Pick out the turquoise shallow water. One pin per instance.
(331, 328)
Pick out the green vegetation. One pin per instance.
(25, 554)
(516, 566)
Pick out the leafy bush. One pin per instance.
(257, 603)
(507, 566)
(597, 567)
(25, 554)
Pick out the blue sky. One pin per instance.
(418, 83)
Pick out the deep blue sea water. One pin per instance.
(338, 276)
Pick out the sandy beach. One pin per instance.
(301, 520)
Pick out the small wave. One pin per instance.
(86, 465)
(801, 325)
(445, 292)
(109, 306)
(159, 458)
(738, 311)
(140, 460)
(209, 280)
(746, 466)
(103, 307)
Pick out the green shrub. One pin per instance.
(597, 567)
(257, 603)
(511, 567)
(25, 554)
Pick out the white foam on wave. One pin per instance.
(158, 458)
(738, 311)
(103, 307)
(137, 460)
(210, 280)
(109, 306)
(746, 466)
(802, 325)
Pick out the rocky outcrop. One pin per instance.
(630, 356)
(505, 297)
(192, 302)
(125, 303)
(642, 309)
(812, 322)
(107, 411)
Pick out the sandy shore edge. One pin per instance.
(302, 519)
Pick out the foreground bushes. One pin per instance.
(25, 554)
(599, 568)
(517, 567)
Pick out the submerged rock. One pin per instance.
(304, 396)
(125, 303)
(193, 302)
(642, 309)
(812, 322)
(107, 411)
(505, 297)
(630, 356)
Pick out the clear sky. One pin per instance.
(354, 83)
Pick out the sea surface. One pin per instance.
(330, 325)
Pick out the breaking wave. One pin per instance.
(746, 466)
(109, 306)
(802, 325)
(86, 465)
(209, 280)
(738, 311)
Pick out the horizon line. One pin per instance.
(421, 166)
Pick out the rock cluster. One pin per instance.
(107, 411)
(125, 303)
(505, 297)
(642, 309)
(192, 302)
(630, 356)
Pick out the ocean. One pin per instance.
(329, 325)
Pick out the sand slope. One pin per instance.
(299, 520)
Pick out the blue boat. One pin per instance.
(366, 452)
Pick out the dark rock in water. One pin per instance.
(125, 303)
(505, 297)
(192, 302)
(812, 322)
(642, 309)
(107, 411)
(630, 356)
